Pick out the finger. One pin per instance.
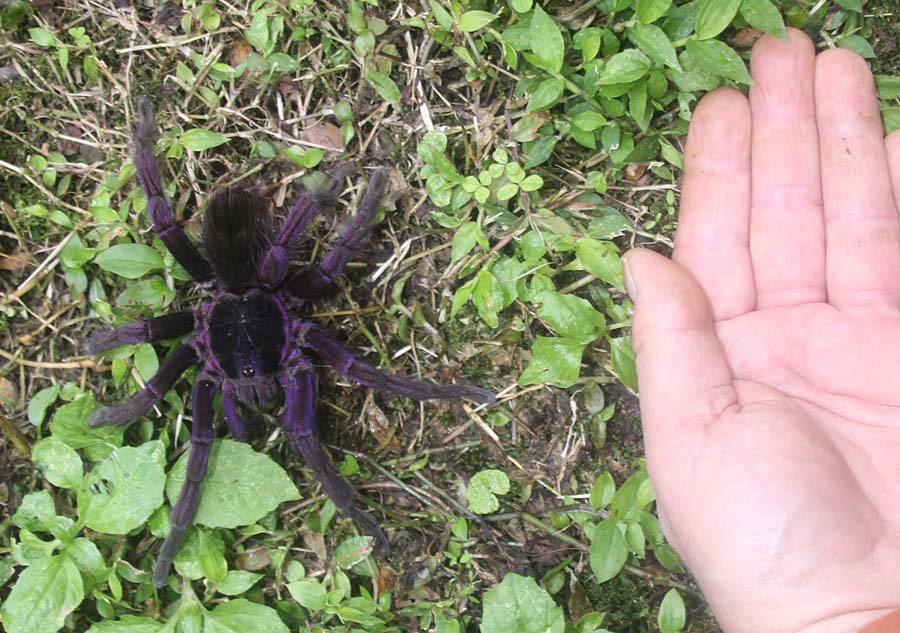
(787, 228)
(892, 148)
(861, 225)
(712, 241)
(683, 376)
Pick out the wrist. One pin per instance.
(876, 621)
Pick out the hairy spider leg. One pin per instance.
(236, 423)
(300, 427)
(164, 327)
(313, 282)
(169, 232)
(184, 509)
(140, 403)
(346, 364)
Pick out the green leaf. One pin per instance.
(589, 120)
(719, 59)
(464, 240)
(555, 361)
(668, 558)
(241, 616)
(655, 44)
(69, 424)
(241, 486)
(123, 490)
(765, 16)
(352, 551)
(888, 86)
(850, 5)
(601, 259)
(546, 94)
(488, 298)
(461, 296)
(384, 86)
(310, 593)
(35, 512)
(602, 491)
(546, 40)
(145, 361)
(714, 16)
(622, 356)
(129, 260)
(671, 616)
(570, 316)
(858, 45)
(609, 551)
(237, 582)
(128, 624)
(519, 605)
(483, 488)
(42, 37)
(44, 594)
(625, 67)
(198, 139)
(648, 11)
(40, 402)
(473, 20)
(58, 462)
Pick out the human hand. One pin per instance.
(768, 352)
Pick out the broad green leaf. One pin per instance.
(384, 86)
(719, 59)
(42, 37)
(888, 86)
(668, 558)
(555, 361)
(211, 556)
(765, 16)
(601, 259)
(714, 16)
(40, 402)
(128, 624)
(625, 504)
(546, 40)
(237, 582)
(123, 490)
(648, 11)
(655, 44)
(622, 356)
(45, 593)
(488, 297)
(352, 551)
(69, 424)
(570, 316)
(590, 43)
(891, 119)
(625, 67)
(198, 139)
(602, 491)
(546, 94)
(310, 593)
(473, 20)
(609, 551)
(850, 5)
(483, 488)
(58, 462)
(241, 486)
(671, 616)
(522, 6)
(461, 296)
(465, 239)
(146, 361)
(589, 120)
(35, 511)
(858, 45)
(241, 616)
(519, 605)
(129, 260)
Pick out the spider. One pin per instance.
(244, 334)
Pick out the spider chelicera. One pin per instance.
(244, 335)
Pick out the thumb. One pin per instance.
(685, 383)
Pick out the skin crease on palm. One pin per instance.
(768, 349)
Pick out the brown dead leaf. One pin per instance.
(325, 135)
(254, 559)
(634, 171)
(380, 426)
(387, 580)
(746, 37)
(238, 53)
(9, 394)
(315, 543)
(14, 263)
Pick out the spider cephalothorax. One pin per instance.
(245, 337)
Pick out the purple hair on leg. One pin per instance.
(158, 329)
(184, 509)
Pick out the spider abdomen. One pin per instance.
(247, 334)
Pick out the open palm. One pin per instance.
(769, 350)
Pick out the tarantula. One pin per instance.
(244, 334)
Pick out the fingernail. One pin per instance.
(629, 280)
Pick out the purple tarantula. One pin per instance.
(244, 335)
